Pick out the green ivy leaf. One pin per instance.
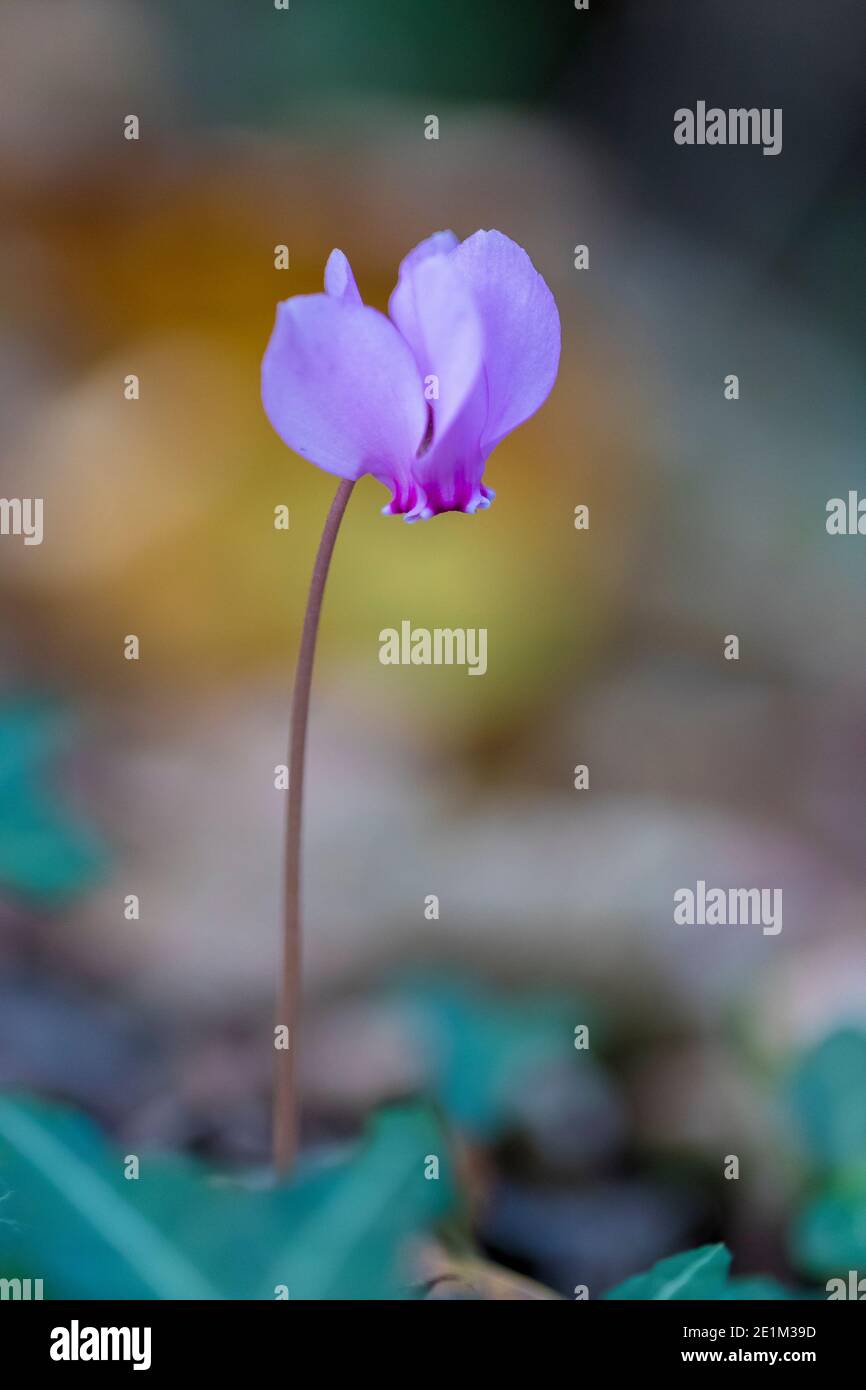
(829, 1235)
(45, 855)
(177, 1232)
(827, 1094)
(688, 1275)
(485, 1049)
(697, 1274)
(751, 1289)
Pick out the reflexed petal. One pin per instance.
(521, 330)
(339, 280)
(434, 309)
(341, 388)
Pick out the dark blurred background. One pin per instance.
(155, 777)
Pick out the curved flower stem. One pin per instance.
(285, 1099)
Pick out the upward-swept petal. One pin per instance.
(434, 309)
(437, 244)
(521, 330)
(339, 281)
(341, 388)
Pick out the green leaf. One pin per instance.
(700, 1274)
(45, 855)
(827, 1093)
(177, 1232)
(757, 1288)
(688, 1275)
(485, 1049)
(829, 1235)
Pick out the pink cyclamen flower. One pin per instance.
(421, 398)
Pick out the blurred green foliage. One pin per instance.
(46, 853)
(484, 1049)
(312, 54)
(702, 1274)
(829, 1236)
(72, 1217)
(827, 1094)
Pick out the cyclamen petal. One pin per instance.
(435, 311)
(521, 330)
(341, 388)
(345, 387)
(339, 281)
(439, 244)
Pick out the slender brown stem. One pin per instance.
(285, 1099)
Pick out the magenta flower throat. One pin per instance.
(421, 397)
